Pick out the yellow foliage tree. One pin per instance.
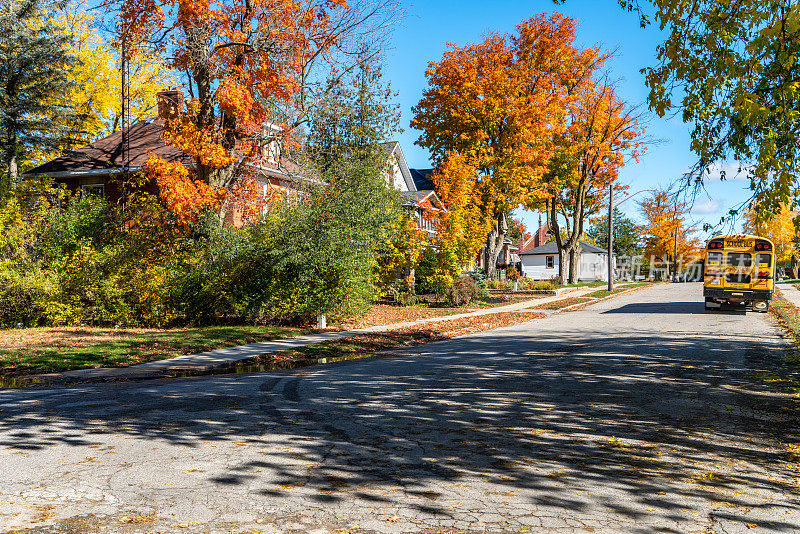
(402, 254)
(780, 229)
(98, 83)
(462, 230)
(664, 218)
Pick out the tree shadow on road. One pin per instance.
(652, 430)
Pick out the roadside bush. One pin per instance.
(299, 260)
(545, 285)
(480, 279)
(21, 297)
(90, 263)
(403, 298)
(526, 284)
(463, 291)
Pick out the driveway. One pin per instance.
(636, 414)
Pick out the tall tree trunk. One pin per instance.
(555, 230)
(574, 262)
(13, 172)
(494, 242)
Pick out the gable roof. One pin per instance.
(144, 137)
(551, 248)
(393, 148)
(421, 178)
(416, 196)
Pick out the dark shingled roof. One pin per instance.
(389, 146)
(144, 137)
(421, 179)
(416, 196)
(551, 248)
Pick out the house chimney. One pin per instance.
(170, 103)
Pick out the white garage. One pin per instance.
(541, 263)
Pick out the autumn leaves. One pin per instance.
(244, 62)
(520, 120)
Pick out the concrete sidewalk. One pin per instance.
(205, 361)
(216, 358)
(790, 293)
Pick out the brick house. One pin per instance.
(103, 167)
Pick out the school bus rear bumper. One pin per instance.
(737, 294)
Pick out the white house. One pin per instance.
(413, 185)
(541, 263)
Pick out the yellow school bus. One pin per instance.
(740, 271)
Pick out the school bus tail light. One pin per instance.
(763, 274)
(763, 245)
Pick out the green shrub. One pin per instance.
(480, 279)
(22, 297)
(463, 291)
(545, 285)
(498, 284)
(92, 263)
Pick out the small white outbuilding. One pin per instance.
(541, 263)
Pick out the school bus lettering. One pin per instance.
(737, 244)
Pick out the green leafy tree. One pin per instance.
(626, 234)
(34, 71)
(731, 68)
(356, 113)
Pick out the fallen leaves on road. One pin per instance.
(137, 519)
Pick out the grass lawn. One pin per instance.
(40, 350)
(37, 350)
(489, 301)
(596, 283)
(385, 314)
(788, 315)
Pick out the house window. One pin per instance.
(94, 189)
(549, 262)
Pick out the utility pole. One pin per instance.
(610, 237)
(675, 245)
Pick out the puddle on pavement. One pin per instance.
(18, 382)
(248, 366)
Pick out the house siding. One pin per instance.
(592, 266)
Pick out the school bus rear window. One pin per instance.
(739, 259)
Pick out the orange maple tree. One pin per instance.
(665, 217)
(599, 134)
(244, 60)
(489, 116)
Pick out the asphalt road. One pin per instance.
(636, 414)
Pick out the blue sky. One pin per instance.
(431, 24)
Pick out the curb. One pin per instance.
(601, 299)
